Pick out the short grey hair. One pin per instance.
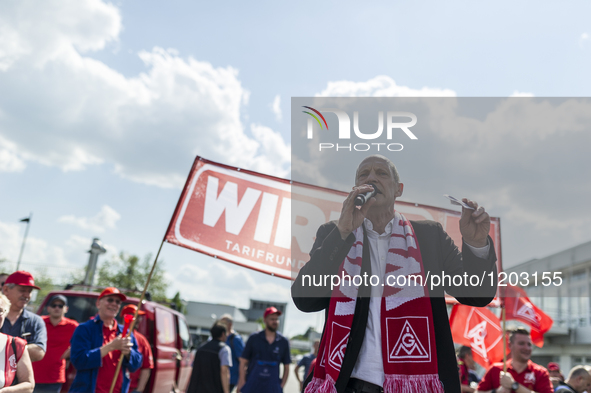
(227, 317)
(393, 169)
(577, 371)
(10, 285)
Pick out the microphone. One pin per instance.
(362, 199)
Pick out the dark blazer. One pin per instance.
(439, 255)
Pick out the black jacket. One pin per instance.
(206, 375)
(439, 254)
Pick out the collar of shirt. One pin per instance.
(263, 335)
(371, 233)
(529, 366)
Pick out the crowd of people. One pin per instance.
(522, 375)
(39, 349)
(225, 362)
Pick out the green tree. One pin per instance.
(45, 282)
(178, 303)
(129, 273)
(4, 265)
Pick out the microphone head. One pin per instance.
(362, 199)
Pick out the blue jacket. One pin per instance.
(85, 354)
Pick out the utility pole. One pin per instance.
(96, 249)
(28, 221)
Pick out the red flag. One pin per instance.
(479, 329)
(519, 307)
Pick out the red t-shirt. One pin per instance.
(107, 370)
(148, 360)
(8, 359)
(534, 377)
(52, 369)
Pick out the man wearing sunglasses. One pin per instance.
(50, 373)
(97, 346)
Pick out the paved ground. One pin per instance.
(292, 386)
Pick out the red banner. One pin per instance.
(520, 308)
(269, 224)
(479, 329)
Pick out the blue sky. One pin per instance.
(105, 105)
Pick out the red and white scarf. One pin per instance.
(9, 359)
(408, 341)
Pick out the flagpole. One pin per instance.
(131, 327)
(28, 221)
(504, 339)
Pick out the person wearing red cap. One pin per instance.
(555, 375)
(97, 345)
(139, 378)
(259, 362)
(50, 373)
(21, 322)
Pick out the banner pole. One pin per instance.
(504, 339)
(113, 383)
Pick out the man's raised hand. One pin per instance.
(474, 224)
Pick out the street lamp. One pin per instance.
(96, 249)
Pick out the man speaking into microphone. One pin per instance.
(390, 337)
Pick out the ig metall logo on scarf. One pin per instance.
(408, 339)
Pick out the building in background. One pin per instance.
(569, 341)
(201, 316)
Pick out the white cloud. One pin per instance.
(583, 39)
(274, 153)
(380, 86)
(521, 94)
(103, 220)
(10, 162)
(39, 254)
(276, 107)
(81, 112)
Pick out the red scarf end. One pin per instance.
(428, 383)
(318, 385)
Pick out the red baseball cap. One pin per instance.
(22, 278)
(110, 291)
(271, 310)
(130, 309)
(552, 366)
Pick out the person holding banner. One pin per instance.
(139, 378)
(391, 334)
(523, 375)
(97, 345)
